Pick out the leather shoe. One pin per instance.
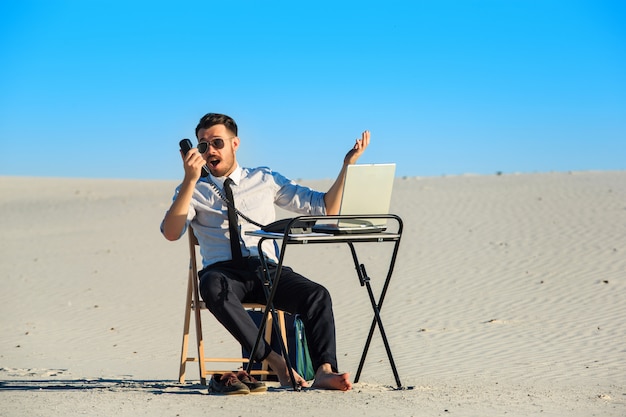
(253, 385)
(227, 384)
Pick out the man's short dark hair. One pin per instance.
(212, 119)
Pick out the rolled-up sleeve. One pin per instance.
(190, 214)
(298, 198)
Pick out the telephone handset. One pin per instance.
(275, 227)
(185, 146)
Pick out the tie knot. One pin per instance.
(228, 190)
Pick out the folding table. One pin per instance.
(272, 282)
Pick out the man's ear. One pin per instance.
(236, 142)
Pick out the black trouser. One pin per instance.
(224, 288)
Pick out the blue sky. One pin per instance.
(106, 89)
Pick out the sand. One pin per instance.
(508, 297)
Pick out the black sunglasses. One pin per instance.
(217, 143)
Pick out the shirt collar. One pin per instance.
(235, 176)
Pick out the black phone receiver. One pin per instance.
(185, 146)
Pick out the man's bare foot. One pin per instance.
(325, 378)
(278, 364)
(286, 381)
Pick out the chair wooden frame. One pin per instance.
(195, 304)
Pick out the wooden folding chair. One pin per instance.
(195, 304)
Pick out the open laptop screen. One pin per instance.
(367, 190)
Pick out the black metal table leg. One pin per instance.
(365, 281)
(272, 283)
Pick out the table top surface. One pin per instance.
(326, 237)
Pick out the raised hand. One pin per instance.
(357, 150)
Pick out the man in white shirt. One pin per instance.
(229, 274)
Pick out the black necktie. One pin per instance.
(235, 249)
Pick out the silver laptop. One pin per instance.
(366, 190)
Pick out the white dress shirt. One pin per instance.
(255, 191)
